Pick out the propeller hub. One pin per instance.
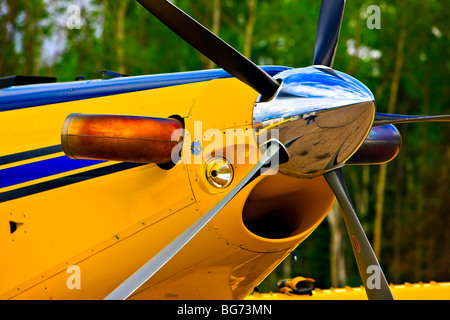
(321, 116)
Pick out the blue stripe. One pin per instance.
(42, 94)
(66, 181)
(30, 154)
(41, 169)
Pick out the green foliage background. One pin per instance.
(405, 64)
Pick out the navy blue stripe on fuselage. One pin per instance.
(65, 181)
(41, 169)
(27, 96)
(30, 154)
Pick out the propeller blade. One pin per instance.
(212, 47)
(137, 279)
(384, 118)
(328, 29)
(365, 257)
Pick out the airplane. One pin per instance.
(190, 185)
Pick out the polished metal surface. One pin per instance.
(219, 172)
(322, 117)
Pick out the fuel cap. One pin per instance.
(219, 172)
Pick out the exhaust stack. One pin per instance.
(121, 138)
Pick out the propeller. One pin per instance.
(365, 257)
(384, 118)
(328, 29)
(352, 118)
(274, 151)
(212, 47)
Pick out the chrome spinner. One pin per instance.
(322, 117)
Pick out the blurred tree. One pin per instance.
(8, 19)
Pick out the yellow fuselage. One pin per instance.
(83, 238)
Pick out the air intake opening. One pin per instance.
(280, 206)
(273, 218)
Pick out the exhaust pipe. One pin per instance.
(381, 146)
(121, 138)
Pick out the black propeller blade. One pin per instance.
(365, 257)
(328, 29)
(212, 47)
(384, 118)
